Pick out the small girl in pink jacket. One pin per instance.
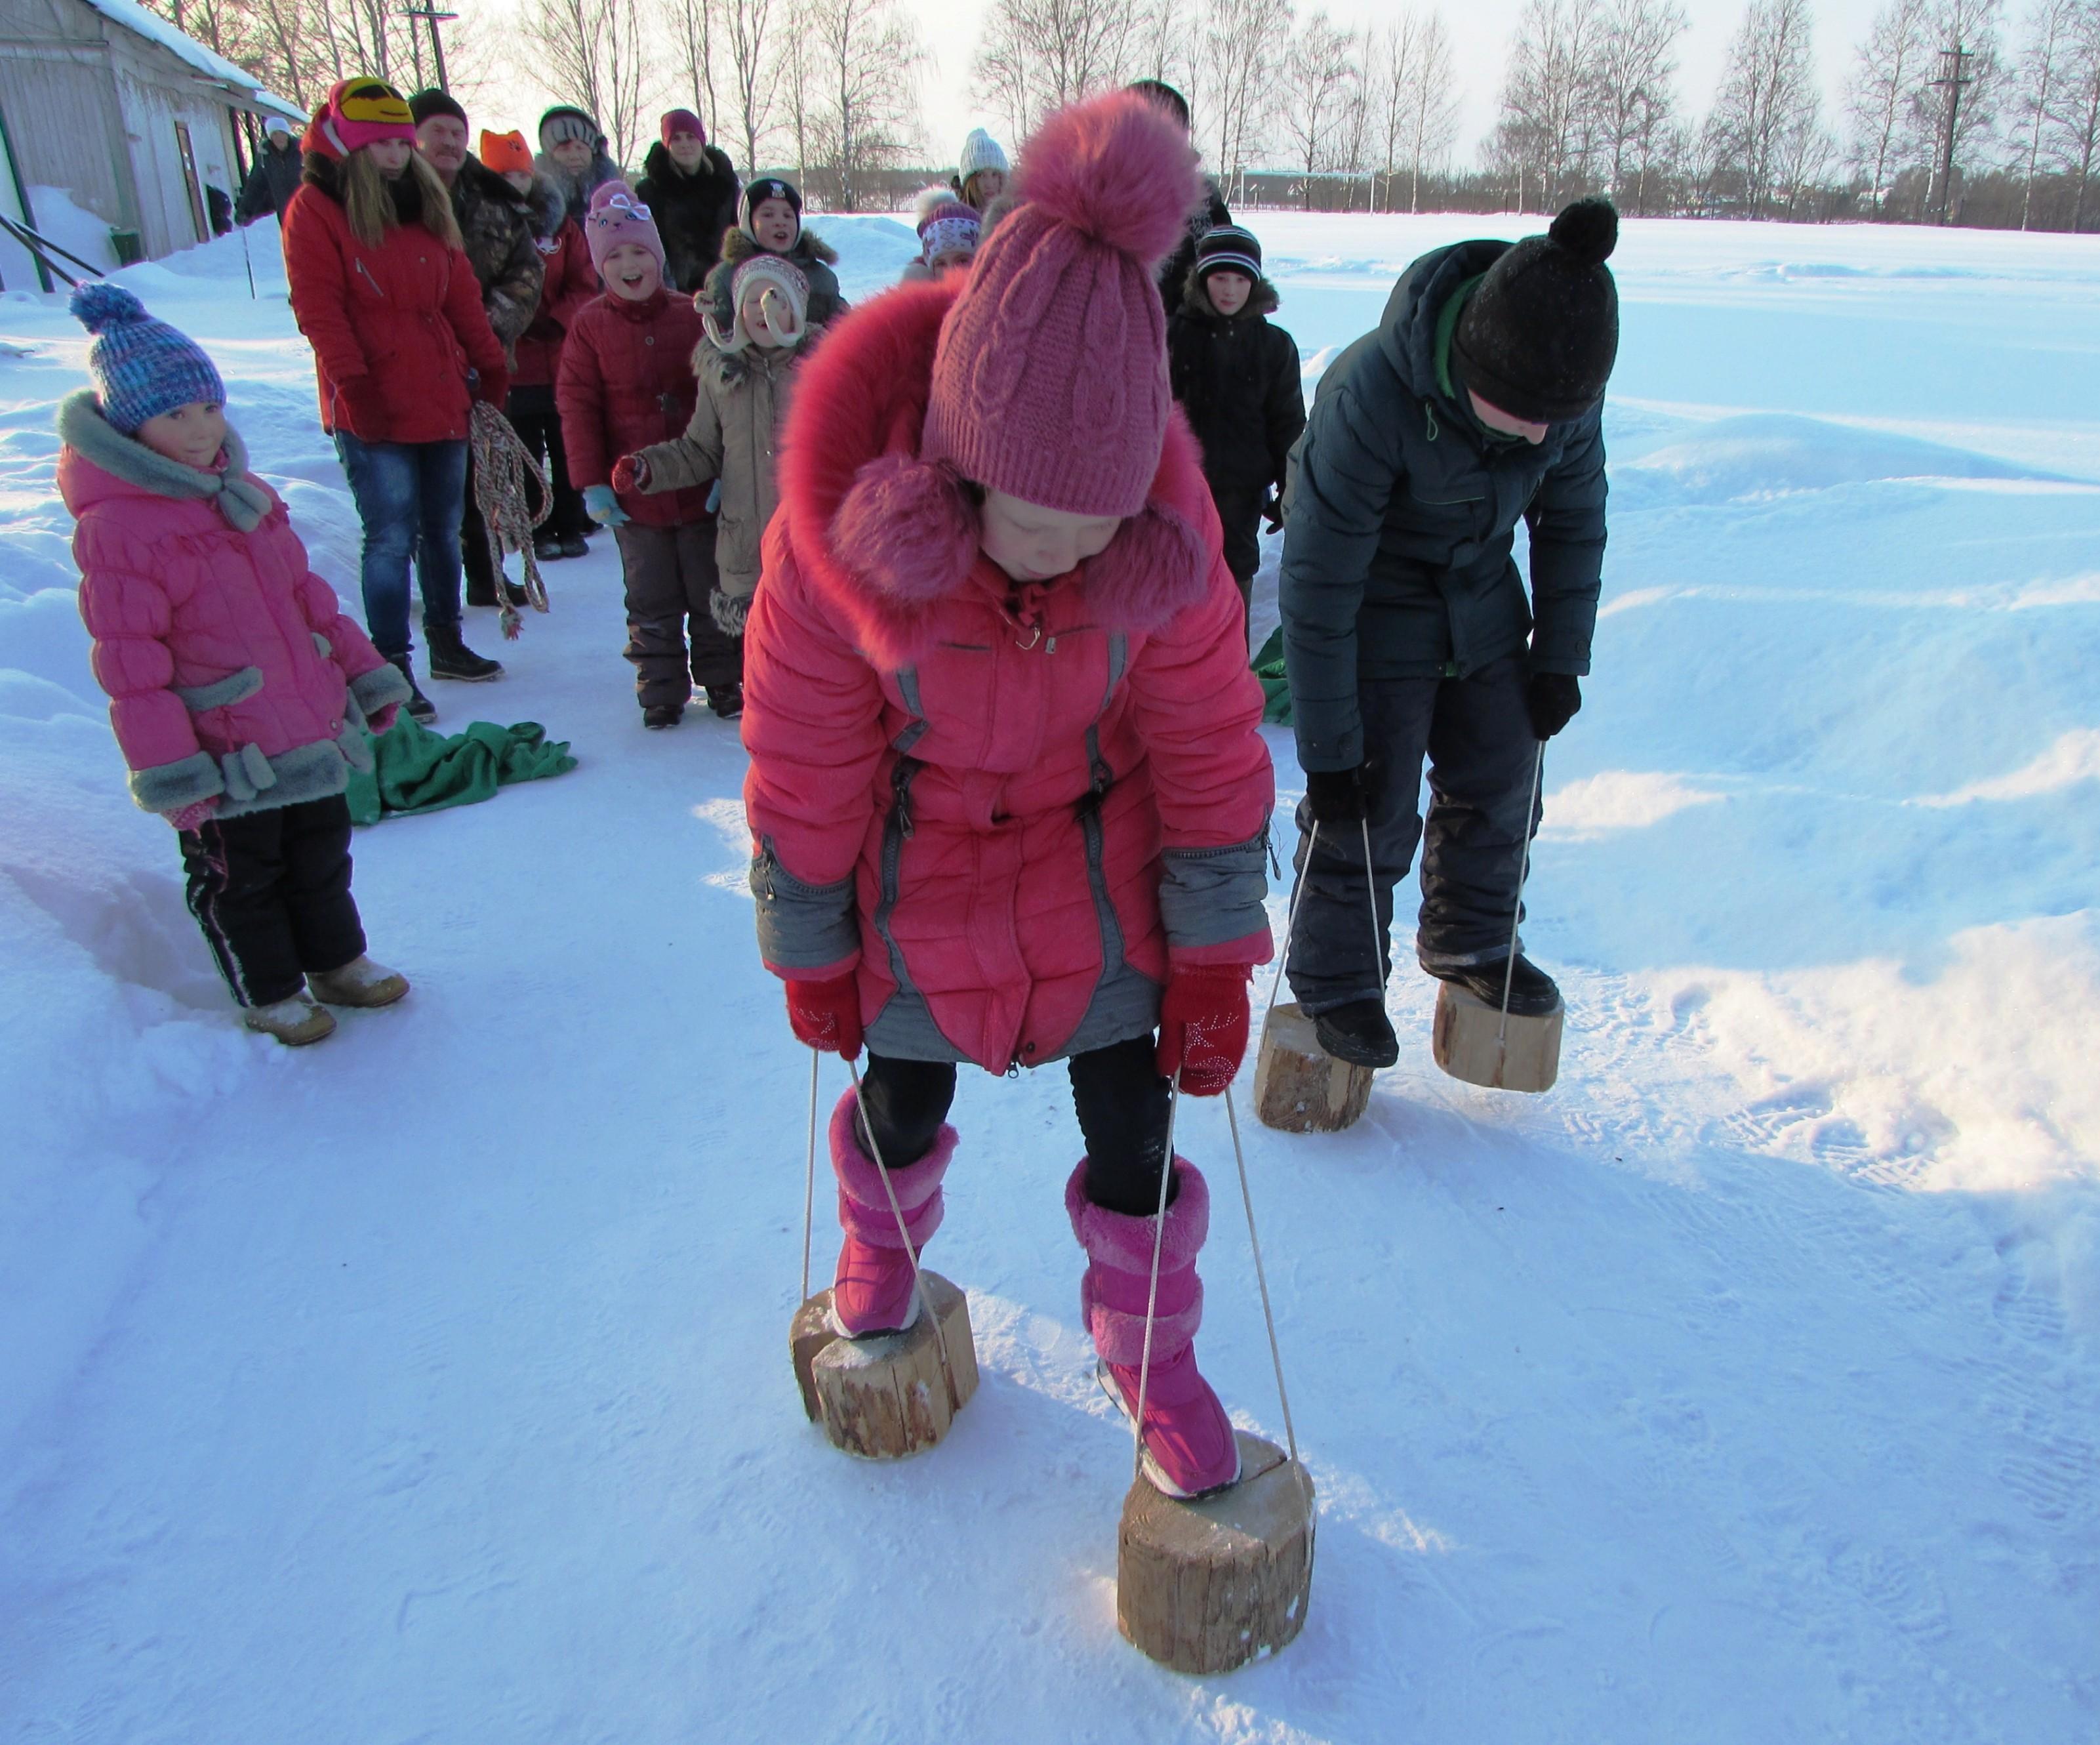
(239, 691)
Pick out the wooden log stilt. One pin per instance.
(1300, 1088)
(890, 1394)
(1208, 1585)
(1469, 1043)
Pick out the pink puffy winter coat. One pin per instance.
(230, 670)
(1008, 806)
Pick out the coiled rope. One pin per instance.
(501, 463)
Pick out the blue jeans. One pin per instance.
(410, 496)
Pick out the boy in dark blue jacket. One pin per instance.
(1406, 629)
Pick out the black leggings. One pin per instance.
(1120, 1097)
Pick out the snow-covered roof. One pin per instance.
(141, 22)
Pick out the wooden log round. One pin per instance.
(1208, 1585)
(890, 1394)
(1298, 1087)
(1469, 1043)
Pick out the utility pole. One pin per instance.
(429, 11)
(1952, 79)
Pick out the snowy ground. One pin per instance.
(432, 1385)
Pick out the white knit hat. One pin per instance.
(981, 152)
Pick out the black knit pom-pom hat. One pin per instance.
(1541, 331)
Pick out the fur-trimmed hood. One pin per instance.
(1196, 300)
(131, 465)
(547, 207)
(888, 540)
(576, 189)
(737, 247)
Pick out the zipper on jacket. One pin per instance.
(367, 272)
(900, 786)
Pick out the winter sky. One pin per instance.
(1480, 31)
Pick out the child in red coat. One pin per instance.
(239, 691)
(626, 382)
(1008, 797)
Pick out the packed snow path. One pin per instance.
(433, 1383)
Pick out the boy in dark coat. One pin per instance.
(768, 221)
(1406, 632)
(691, 189)
(1237, 378)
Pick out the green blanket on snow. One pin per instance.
(417, 771)
(1275, 687)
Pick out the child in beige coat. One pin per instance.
(744, 376)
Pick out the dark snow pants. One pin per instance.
(670, 575)
(1239, 516)
(1120, 1097)
(271, 891)
(532, 415)
(1477, 736)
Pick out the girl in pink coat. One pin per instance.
(239, 691)
(1007, 798)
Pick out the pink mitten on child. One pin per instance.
(195, 815)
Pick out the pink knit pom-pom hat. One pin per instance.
(1050, 380)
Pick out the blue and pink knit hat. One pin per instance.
(141, 367)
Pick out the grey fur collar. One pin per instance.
(240, 499)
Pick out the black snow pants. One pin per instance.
(1477, 736)
(1120, 1097)
(271, 891)
(1239, 516)
(539, 425)
(671, 574)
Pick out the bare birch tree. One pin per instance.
(593, 50)
(861, 110)
(1319, 72)
(2051, 25)
(1547, 128)
(694, 25)
(1634, 91)
(1235, 79)
(1972, 25)
(1880, 96)
(2075, 115)
(751, 74)
(1766, 119)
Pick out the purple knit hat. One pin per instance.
(617, 217)
(1050, 379)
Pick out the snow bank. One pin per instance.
(1744, 1387)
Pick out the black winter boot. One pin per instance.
(421, 709)
(1532, 993)
(726, 700)
(1358, 1032)
(451, 658)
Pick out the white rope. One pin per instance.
(1261, 1276)
(1370, 893)
(1152, 1291)
(809, 1185)
(1517, 911)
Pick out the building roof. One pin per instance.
(242, 83)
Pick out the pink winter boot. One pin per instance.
(1189, 1446)
(872, 1292)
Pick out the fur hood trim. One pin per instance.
(482, 182)
(244, 502)
(737, 248)
(1196, 301)
(715, 171)
(888, 539)
(547, 207)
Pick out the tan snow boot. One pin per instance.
(295, 1022)
(360, 983)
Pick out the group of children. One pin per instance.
(660, 413)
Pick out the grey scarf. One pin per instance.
(240, 499)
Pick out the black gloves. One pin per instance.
(1551, 700)
(1337, 796)
(1272, 511)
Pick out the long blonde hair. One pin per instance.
(367, 200)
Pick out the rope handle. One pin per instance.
(1523, 875)
(501, 461)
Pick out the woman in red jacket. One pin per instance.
(392, 309)
(1007, 797)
